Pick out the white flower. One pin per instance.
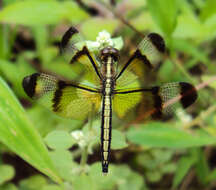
(103, 35)
(79, 137)
(104, 38)
(183, 116)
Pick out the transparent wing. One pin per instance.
(65, 99)
(82, 61)
(156, 101)
(148, 54)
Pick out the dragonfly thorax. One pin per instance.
(108, 57)
(109, 52)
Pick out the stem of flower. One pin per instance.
(84, 156)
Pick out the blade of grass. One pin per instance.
(17, 132)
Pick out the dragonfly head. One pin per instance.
(109, 52)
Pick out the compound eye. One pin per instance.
(105, 51)
(113, 51)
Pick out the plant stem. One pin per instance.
(84, 156)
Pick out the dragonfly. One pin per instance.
(105, 88)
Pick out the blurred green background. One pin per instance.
(39, 150)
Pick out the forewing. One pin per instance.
(148, 54)
(82, 61)
(156, 101)
(65, 99)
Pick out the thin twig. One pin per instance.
(84, 156)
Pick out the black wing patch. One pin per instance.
(75, 51)
(64, 98)
(149, 52)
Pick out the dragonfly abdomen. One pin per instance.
(106, 131)
(106, 126)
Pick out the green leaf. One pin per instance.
(166, 70)
(33, 183)
(126, 179)
(63, 162)
(84, 182)
(102, 181)
(17, 132)
(164, 13)
(137, 22)
(157, 134)
(208, 10)
(15, 73)
(168, 168)
(4, 41)
(6, 173)
(153, 176)
(189, 26)
(40, 34)
(120, 177)
(190, 49)
(161, 156)
(211, 177)
(59, 140)
(44, 117)
(51, 187)
(118, 140)
(8, 186)
(147, 161)
(184, 165)
(118, 42)
(202, 168)
(31, 12)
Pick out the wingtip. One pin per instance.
(72, 30)
(189, 94)
(67, 36)
(157, 41)
(29, 83)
